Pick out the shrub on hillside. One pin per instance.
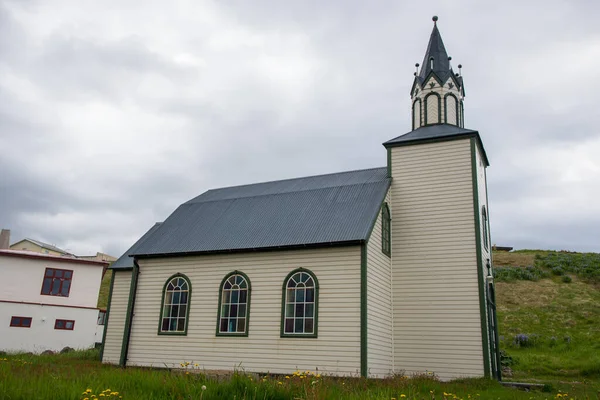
(584, 265)
(529, 273)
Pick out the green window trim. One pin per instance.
(187, 311)
(386, 230)
(246, 317)
(315, 302)
(484, 221)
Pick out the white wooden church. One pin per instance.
(367, 272)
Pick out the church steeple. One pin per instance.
(437, 93)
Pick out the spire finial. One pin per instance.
(434, 19)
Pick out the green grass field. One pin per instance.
(549, 319)
(79, 375)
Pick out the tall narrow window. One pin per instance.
(386, 221)
(57, 282)
(175, 306)
(300, 299)
(485, 228)
(234, 305)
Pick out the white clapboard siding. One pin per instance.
(379, 305)
(116, 317)
(335, 351)
(451, 110)
(437, 325)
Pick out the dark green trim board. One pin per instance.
(389, 162)
(110, 292)
(439, 112)
(316, 322)
(462, 115)
(236, 334)
(363, 311)
(256, 250)
(129, 316)
(497, 355)
(162, 306)
(480, 277)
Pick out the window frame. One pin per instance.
(65, 322)
(485, 229)
(386, 237)
(248, 299)
(315, 333)
(20, 325)
(162, 306)
(62, 280)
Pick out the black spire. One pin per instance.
(436, 55)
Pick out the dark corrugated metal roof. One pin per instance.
(125, 261)
(313, 210)
(433, 132)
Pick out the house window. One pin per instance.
(101, 317)
(175, 306)
(485, 228)
(20, 322)
(386, 222)
(300, 299)
(57, 282)
(234, 305)
(64, 324)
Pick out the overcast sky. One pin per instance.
(112, 113)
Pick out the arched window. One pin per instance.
(175, 308)
(234, 305)
(485, 228)
(416, 114)
(300, 300)
(432, 109)
(386, 221)
(451, 109)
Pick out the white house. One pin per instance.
(372, 272)
(48, 302)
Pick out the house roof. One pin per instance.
(125, 261)
(317, 210)
(43, 245)
(50, 257)
(437, 132)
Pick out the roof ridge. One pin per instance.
(284, 193)
(46, 245)
(293, 179)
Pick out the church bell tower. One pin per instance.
(437, 93)
(442, 280)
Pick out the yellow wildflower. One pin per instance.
(402, 395)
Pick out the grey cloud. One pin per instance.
(313, 88)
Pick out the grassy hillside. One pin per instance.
(549, 314)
